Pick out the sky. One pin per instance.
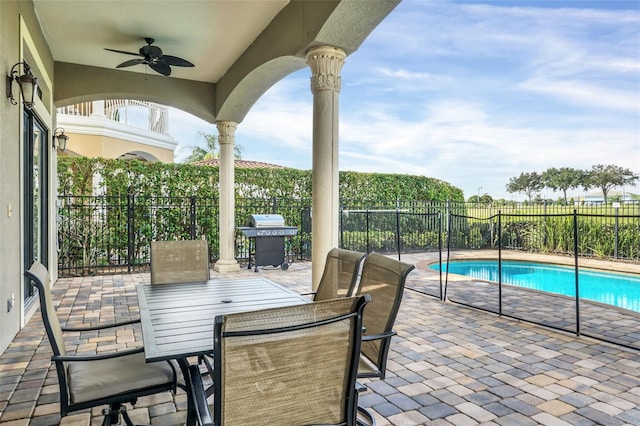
(469, 92)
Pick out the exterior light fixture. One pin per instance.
(27, 82)
(58, 135)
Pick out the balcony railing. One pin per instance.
(139, 114)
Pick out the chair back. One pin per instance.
(39, 277)
(179, 261)
(383, 279)
(340, 274)
(294, 365)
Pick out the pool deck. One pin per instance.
(595, 319)
(449, 365)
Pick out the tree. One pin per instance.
(486, 199)
(527, 183)
(608, 177)
(563, 179)
(211, 149)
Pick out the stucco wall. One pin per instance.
(108, 147)
(16, 39)
(9, 195)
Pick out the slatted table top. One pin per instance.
(177, 319)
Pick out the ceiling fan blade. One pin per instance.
(161, 68)
(175, 61)
(122, 51)
(131, 62)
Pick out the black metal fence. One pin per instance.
(111, 235)
(573, 311)
(108, 235)
(605, 232)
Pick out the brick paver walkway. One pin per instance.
(449, 364)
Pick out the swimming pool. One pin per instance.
(622, 290)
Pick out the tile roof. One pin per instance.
(244, 164)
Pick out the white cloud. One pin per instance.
(278, 129)
(473, 95)
(586, 94)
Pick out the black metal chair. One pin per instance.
(294, 365)
(340, 274)
(383, 279)
(88, 381)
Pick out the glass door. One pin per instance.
(36, 172)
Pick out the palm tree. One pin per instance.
(211, 149)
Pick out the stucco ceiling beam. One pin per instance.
(281, 47)
(76, 83)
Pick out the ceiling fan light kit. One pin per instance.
(152, 55)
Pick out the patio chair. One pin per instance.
(340, 274)
(182, 261)
(285, 366)
(383, 279)
(88, 381)
(179, 261)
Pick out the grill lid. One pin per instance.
(266, 220)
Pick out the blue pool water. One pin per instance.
(622, 290)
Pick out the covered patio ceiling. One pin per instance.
(239, 48)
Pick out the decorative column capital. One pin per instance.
(226, 132)
(325, 63)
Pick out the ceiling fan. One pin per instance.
(152, 56)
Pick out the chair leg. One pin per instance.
(126, 418)
(364, 413)
(370, 420)
(209, 365)
(112, 415)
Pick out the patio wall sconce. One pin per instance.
(27, 82)
(61, 138)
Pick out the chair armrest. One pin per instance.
(100, 326)
(386, 335)
(96, 357)
(199, 396)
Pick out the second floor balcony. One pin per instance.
(118, 128)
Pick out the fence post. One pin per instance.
(367, 222)
(446, 282)
(575, 255)
(491, 230)
(130, 229)
(615, 235)
(398, 228)
(440, 250)
(499, 262)
(448, 207)
(544, 228)
(192, 216)
(341, 243)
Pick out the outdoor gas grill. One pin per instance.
(267, 231)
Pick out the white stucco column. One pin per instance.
(325, 63)
(226, 139)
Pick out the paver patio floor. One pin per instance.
(449, 364)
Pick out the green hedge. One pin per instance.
(79, 175)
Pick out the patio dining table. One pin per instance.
(177, 319)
